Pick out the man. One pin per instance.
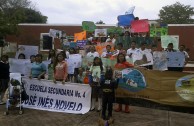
(108, 52)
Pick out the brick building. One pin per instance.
(32, 34)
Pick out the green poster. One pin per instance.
(157, 32)
(114, 30)
(88, 26)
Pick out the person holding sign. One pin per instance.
(108, 52)
(122, 64)
(4, 76)
(38, 69)
(94, 80)
(60, 69)
(92, 52)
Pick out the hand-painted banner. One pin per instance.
(68, 98)
(140, 26)
(79, 36)
(88, 26)
(130, 10)
(125, 20)
(23, 66)
(165, 40)
(160, 60)
(165, 87)
(100, 33)
(27, 51)
(157, 32)
(175, 59)
(81, 43)
(55, 33)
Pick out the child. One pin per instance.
(51, 69)
(60, 69)
(96, 70)
(80, 77)
(108, 85)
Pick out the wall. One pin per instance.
(186, 36)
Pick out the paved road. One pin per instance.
(139, 116)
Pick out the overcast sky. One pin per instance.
(76, 11)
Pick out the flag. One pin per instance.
(55, 33)
(140, 26)
(88, 26)
(80, 36)
(125, 20)
(130, 10)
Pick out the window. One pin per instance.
(46, 42)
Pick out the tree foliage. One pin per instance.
(13, 12)
(176, 14)
(100, 22)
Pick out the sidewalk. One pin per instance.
(139, 116)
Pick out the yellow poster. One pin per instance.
(165, 87)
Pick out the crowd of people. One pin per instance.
(98, 76)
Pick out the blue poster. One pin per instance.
(132, 80)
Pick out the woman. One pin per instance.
(51, 54)
(122, 64)
(38, 69)
(60, 69)
(4, 76)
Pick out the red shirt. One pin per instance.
(123, 65)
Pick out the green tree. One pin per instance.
(13, 12)
(176, 14)
(100, 22)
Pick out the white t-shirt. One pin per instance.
(94, 54)
(148, 55)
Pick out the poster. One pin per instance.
(165, 40)
(88, 26)
(175, 59)
(100, 33)
(160, 60)
(68, 98)
(27, 50)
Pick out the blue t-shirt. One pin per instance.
(37, 69)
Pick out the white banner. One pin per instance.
(22, 66)
(68, 98)
(27, 51)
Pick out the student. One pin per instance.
(38, 69)
(51, 69)
(51, 54)
(60, 69)
(32, 58)
(4, 76)
(108, 52)
(96, 70)
(108, 85)
(92, 52)
(147, 53)
(122, 64)
(21, 56)
(182, 49)
(133, 50)
(119, 50)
